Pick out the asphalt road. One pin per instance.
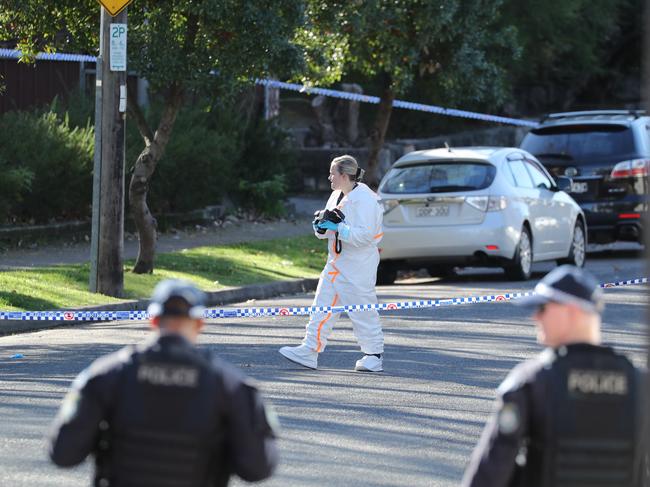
(413, 425)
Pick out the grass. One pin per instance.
(210, 268)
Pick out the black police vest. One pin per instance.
(164, 431)
(591, 426)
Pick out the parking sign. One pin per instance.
(118, 47)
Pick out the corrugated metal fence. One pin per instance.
(30, 85)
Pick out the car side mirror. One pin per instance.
(563, 183)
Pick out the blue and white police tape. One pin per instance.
(450, 112)
(215, 313)
(48, 56)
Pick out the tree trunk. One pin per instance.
(378, 133)
(142, 172)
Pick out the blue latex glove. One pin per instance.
(328, 225)
(344, 231)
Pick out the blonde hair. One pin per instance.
(348, 165)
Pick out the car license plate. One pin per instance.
(438, 210)
(579, 187)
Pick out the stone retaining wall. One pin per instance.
(314, 162)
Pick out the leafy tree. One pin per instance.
(458, 44)
(179, 46)
(566, 44)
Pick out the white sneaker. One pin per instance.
(301, 355)
(369, 363)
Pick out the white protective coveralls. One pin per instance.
(350, 277)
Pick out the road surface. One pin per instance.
(413, 425)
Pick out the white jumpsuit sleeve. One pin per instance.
(361, 222)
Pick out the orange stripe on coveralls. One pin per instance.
(379, 235)
(335, 272)
(323, 321)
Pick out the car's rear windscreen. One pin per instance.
(580, 142)
(439, 177)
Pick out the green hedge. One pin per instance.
(265, 166)
(49, 164)
(46, 160)
(196, 169)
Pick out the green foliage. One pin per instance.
(561, 37)
(213, 154)
(52, 159)
(196, 169)
(14, 182)
(457, 45)
(46, 162)
(266, 164)
(325, 46)
(181, 48)
(264, 196)
(170, 43)
(179, 42)
(183, 41)
(569, 45)
(38, 26)
(77, 106)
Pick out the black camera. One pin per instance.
(334, 216)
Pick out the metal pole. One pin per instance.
(110, 265)
(645, 96)
(97, 160)
(107, 247)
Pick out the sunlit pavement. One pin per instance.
(414, 424)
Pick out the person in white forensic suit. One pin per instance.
(352, 224)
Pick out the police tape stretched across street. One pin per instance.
(220, 313)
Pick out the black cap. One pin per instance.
(567, 284)
(175, 297)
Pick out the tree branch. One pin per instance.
(138, 116)
(173, 102)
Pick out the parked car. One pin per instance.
(446, 208)
(607, 154)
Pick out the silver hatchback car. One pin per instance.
(476, 206)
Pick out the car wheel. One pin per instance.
(520, 267)
(577, 251)
(386, 274)
(441, 271)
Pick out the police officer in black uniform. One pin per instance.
(571, 416)
(165, 413)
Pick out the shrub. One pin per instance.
(46, 162)
(56, 158)
(265, 197)
(266, 163)
(77, 106)
(195, 170)
(14, 181)
(212, 154)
